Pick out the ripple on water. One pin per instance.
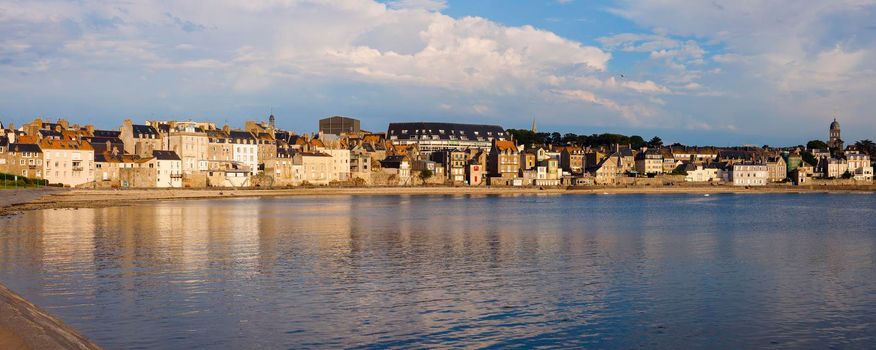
(674, 271)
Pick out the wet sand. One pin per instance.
(80, 198)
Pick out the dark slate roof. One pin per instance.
(285, 152)
(165, 155)
(242, 135)
(25, 147)
(392, 162)
(4, 140)
(107, 133)
(50, 133)
(313, 154)
(735, 154)
(282, 135)
(217, 136)
(100, 146)
(413, 131)
(144, 130)
(102, 140)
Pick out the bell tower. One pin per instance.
(835, 140)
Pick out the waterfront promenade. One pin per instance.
(25, 326)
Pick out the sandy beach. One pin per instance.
(13, 201)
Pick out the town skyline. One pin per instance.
(725, 74)
(312, 129)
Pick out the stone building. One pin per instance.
(649, 162)
(503, 163)
(140, 140)
(22, 159)
(572, 159)
(777, 168)
(748, 174)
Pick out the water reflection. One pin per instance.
(413, 271)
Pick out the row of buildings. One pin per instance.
(200, 154)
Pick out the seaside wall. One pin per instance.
(23, 325)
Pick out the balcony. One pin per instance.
(78, 168)
(176, 176)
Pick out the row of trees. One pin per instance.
(527, 137)
(864, 146)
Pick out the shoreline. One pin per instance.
(28, 199)
(24, 325)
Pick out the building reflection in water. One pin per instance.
(471, 271)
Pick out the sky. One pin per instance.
(737, 72)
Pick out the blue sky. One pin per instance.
(719, 72)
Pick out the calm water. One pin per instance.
(659, 271)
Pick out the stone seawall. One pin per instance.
(25, 326)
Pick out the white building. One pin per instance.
(699, 173)
(749, 174)
(169, 169)
(835, 168)
(245, 150)
(67, 162)
(859, 166)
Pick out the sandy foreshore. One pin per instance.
(80, 198)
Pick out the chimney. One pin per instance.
(109, 144)
(90, 129)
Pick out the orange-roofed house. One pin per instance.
(67, 162)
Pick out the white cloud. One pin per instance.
(633, 114)
(807, 61)
(244, 47)
(428, 5)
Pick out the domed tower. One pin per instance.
(835, 141)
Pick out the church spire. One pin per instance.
(534, 129)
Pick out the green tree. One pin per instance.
(655, 142)
(425, 174)
(847, 175)
(816, 144)
(867, 147)
(809, 158)
(636, 142)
